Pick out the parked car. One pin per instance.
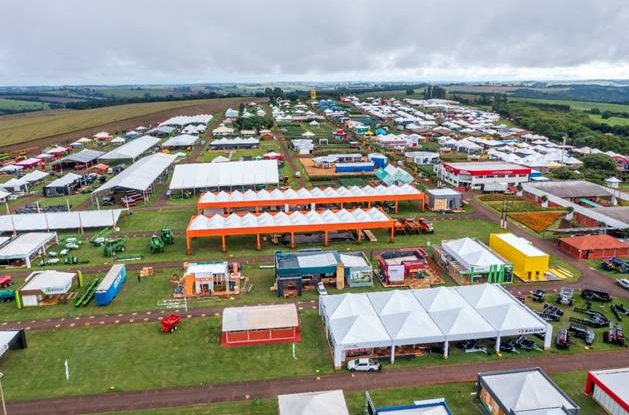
(624, 283)
(364, 365)
(321, 289)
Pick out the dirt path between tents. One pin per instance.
(290, 155)
(217, 106)
(269, 389)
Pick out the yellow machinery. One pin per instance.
(313, 94)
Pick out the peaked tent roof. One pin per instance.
(141, 174)
(132, 149)
(313, 403)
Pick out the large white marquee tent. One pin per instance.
(389, 319)
(234, 174)
(80, 219)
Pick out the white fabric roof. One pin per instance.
(4, 194)
(249, 220)
(132, 149)
(48, 281)
(183, 120)
(234, 173)
(34, 176)
(13, 183)
(59, 220)
(234, 141)
(260, 317)
(83, 156)
(6, 336)
(406, 317)
(303, 193)
(471, 254)
(183, 140)
(141, 174)
(25, 245)
(67, 179)
(313, 403)
(526, 390)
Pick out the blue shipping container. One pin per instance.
(353, 167)
(111, 285)
(379, 160)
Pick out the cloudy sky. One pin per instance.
(167, 41)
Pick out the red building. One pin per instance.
(594, 247)
(609, 389)
(265, 324)
(399, 266)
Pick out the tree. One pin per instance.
(599, 162)
(410, 91)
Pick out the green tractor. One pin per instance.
(113, 246)
(156, 244)
(167, 236)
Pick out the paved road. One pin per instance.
(269, 389)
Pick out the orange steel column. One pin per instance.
(368, 205)
(421, 204)
(396, 206)
(223, 244)
(391, 233)
(325, 238)
(360, 235)
(258, 241)
(188, 250)
(292, 240)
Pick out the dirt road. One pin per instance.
(269, 389)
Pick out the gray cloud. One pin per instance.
(78, 41)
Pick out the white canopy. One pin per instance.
(34, 176)
(414, 317)
(471, 254)
(183, 140)
(260, 317)
(141, 174)
(132, 149)
(229, 174)
(313, 403)
(59, 220)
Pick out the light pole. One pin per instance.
(4, 406)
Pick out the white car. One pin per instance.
(624, 283)
(364, 365)
(321, 289)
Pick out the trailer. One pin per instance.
(170, 323)
(87, 295)
(111, 285)
(5, 281)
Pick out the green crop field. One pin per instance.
(611, 120)
(577, 105)
(16, 104)
(18, 130)
(460, 397)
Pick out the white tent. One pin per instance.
(183, 140)
(81, 219)
(313, 403)
(471, 254)
(34, 176)
(418, 317)
(225, 175)
(140, 175)
(132, 150)
(25, 246)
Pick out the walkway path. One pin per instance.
(269, 389)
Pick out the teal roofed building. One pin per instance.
(391, 175)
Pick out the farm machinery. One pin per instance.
(614, 335)
(551, 312)
(87, 295)
(157, 243)
(565, 296)
(412, 226)
(5, 281)
(111, 247)
(170, 323)
(562, 341)
(594, 318)
(615, 265)
(7, 296)
(619, 310)
(538, 296)
(596, 294)
(583, 332)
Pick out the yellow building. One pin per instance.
(529, 262)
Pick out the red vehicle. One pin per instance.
(170, 323)
(5, 281)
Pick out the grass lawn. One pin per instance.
(460, 397)
(17, 104)
(18, 130)
(611, 120)
(108, 357)
(151, 220)
(578, 105)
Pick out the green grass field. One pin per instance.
(577, 105)
(460, 397)
(18, 130)
(20, 105)
(611, 120)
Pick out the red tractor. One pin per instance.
(170, 323)
(5, 281)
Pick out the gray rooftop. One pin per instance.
(574, 189)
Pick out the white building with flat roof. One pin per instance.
(477, 175)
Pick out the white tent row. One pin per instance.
(249, 220)
(471, 254)
(183, 140)
(34, 176)
(414, 317)
(303, 193)
(132, 149)
(235, 142)
(140, 175)
(81, 219)
(26, 245)
(183, 120)
(222, 175)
